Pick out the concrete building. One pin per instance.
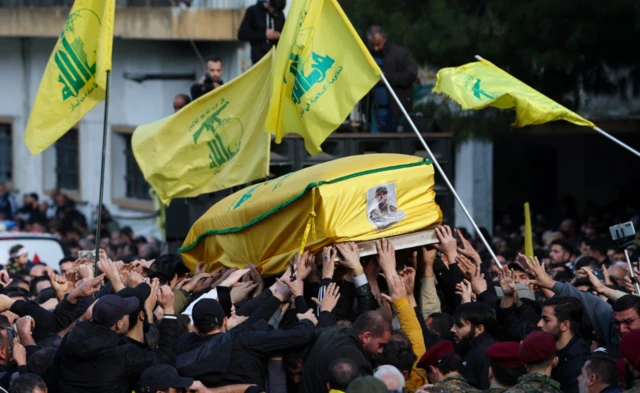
(150, 39)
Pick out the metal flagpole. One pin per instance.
(600, 130)
(616, 140)
(435, 162)
(104, 154)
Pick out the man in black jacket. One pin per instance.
(401, 70)
(360, 343)
(261, 26)
(92, 357)
(473, 326)
(245, 349)
(561, 317)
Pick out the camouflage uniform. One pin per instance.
(453, 384)
(535, 382)
(635, 386)
(495, 390)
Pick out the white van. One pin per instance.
(42, 248)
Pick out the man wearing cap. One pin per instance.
(630, 351)
(246, 350)
(443, 365)
(538, 354)
(19, 260)
(92, 358)
(505, 366)
(161, 378)
(141, 320)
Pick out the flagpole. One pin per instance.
(616, 140)
(104, 154)
(598, 129)
(435, 162)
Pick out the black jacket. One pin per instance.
(475, 365)
(254, 26)
(239, 355)
(93, 358)
(570, 361)
(332, 343)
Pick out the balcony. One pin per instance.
(210, 20)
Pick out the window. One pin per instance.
(137, 187)
(67, 163)
(6, 154)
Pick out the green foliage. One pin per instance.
(556, 46)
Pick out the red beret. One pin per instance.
(435, 354)
(538, 346)
(630, 346)
(505, 354)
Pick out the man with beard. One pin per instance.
(442, 365)
(561, 317)
(473, 324)
(560, 253)
(360, 343)
(383, 209)
(141, 320)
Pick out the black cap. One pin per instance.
(141, 292)
(110, 309)
(207, 312)
(162, 377)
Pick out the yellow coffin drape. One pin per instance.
(354, 198)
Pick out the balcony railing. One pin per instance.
(212, 4)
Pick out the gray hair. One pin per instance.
(375, 29)
(391, 376)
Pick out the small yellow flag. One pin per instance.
(528, 233)
(481, 84)
(74, 80)
(215, 142)
(322, 69)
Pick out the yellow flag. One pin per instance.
(354, 198)
(215, 142)
(322, 69)
(74, 80)
(481, 84)
(528, 233)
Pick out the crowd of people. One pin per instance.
(438, 318)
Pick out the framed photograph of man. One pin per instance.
(382, 206)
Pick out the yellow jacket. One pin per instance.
(411, 327)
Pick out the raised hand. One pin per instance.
(150, 303)
(534, 268)
(242, 291)
(351, 256)
(464, 290)
(61, 286)
(234, 278)
(448, 244)
(5, 280)
(467, 267)
(85, 271)
(397, 289)
(330, 299)
(165, 299)
(467, 249)
(408, 276)
(308, 316)
(507, 281)
(328, 261)
(386, 257)
(428, 259)
(87, 287)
